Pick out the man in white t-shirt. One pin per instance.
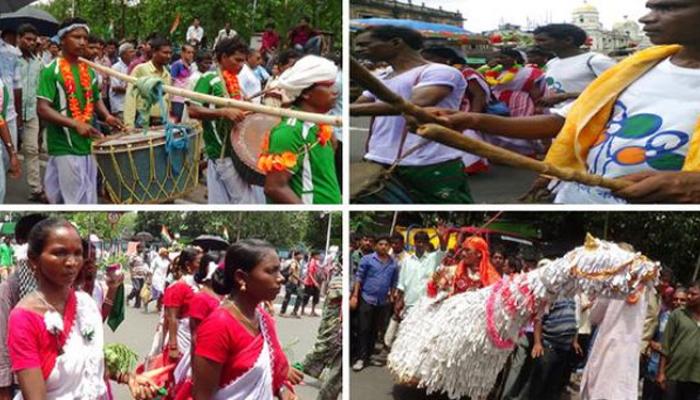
(433, 173)
(117, 87)
(573, 68)
(195, 33)
(638, 121)
(226, 33)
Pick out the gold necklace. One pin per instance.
(252, 326)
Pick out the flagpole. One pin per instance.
(328, 235)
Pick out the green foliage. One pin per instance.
(673, 238)
(282, 229)
(136, 19)
(119, 358)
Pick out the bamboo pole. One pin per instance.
(222, 102)
(436, 132)
(362, 76)
(497, 154)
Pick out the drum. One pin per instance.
(156, 166)
(247, 139)
(372, 183)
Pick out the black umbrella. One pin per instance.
(8, 6)
(44, 22)
(143, 237)
(211, 242)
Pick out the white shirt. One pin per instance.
(650, 128)
(194, 34)
(225, 35)
(574, 74)
(159, 269)
(249, 83)
(116, 100)
(387, 131)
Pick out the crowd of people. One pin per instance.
(216, 336)
(586, 342)
(559, 101)
(47, 88)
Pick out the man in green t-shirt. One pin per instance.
(6, 258)
(679, 369)
(15, 166)
(224, 184)
(310, 83)
(68, 110)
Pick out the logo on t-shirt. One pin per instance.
(554, 86)
(635, 140)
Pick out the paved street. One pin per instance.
(501, 184)
(376, 383)
(297, 336)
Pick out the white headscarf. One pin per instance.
(305, 73)
(71, 28)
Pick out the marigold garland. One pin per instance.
(496, 75)
(83, 115)
(232, 86)
(268, 162)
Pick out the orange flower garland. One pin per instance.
(279, 162)
(232, 86)
(84, 115)
(325, 133)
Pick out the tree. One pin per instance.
(137, 20)
(673, 238)
(282, 229)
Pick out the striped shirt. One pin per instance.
(559, 325)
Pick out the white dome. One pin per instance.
(585, 8)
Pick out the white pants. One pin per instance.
(71, 180)
(30, 148)
(225, 185)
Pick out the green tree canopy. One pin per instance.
(282, 229)
(673, 238)
(136, 19)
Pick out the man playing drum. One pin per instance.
(300, 160)
(67, 98)
(224, 184)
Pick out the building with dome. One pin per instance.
(601, 40)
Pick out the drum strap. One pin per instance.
(218, 137)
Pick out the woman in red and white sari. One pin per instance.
(203, 303)
(55, 335)
(519, 87)
(237, 354)
(176, 303)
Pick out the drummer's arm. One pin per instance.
(48, 114)
(277, 188)
(108, 118)
(202, 113)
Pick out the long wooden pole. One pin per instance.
(243, 105)
(497, 154)
(434, 131)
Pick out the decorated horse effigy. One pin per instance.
(458, 344)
